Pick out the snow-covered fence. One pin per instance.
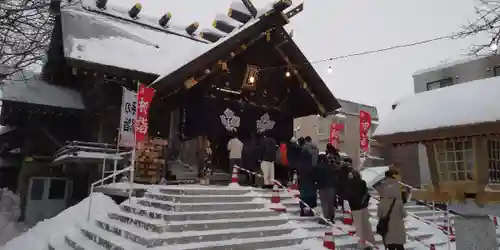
(113, 175)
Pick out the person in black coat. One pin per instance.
(250, 159)
(342, 178)
(268, 158)
(293, 154)
(356, 194)
(307, 186)
(326, 172)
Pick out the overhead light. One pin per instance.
(287, 74)
(494, 46)
(251, 79)
(330, 70)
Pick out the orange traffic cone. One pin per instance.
(276, 200)
(234, 175)
(328, 241)
(432, 247)
(347, 217)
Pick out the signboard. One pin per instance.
(127, 119)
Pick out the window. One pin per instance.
(440, 84)
(455, 160)
(57, 189)
(496, 71)
(321, 127)
(494, 160)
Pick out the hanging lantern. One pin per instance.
(238, 15)
(223, 26)
(210, 36)
(134, 11)
(101, 4)
(192, 28)
(163, 22)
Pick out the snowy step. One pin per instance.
(428, 213)
(145, 238)
(109, 240)
(249, 196)
(155, 213)
(199, 198)
(77, 241)
(215, 206)
(209, 190)
(243, 244)
(192, 225)
(59, 243)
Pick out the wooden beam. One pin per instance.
(250, 7)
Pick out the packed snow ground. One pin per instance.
(9, 214)
(38, 237)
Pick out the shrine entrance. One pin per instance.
(249, 84)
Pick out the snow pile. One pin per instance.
(37, 238)
(373, 175)
(9, 214)
(445, 108)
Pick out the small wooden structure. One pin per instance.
(150, 161)
(460, 129)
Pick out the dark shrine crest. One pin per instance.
(251, 77)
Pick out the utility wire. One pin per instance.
(368, 52)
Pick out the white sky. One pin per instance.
(332, 28)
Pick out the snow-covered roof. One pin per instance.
(474, 102)
(110, 37)
(448, 65)
(105, 40)
(36, 91)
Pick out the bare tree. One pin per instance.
(25, 30)
(487, 22)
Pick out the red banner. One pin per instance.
(365, 123)
(334, 138)
(144, 98)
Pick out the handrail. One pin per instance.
(127, 169)
(371, 244)
(320, 216)
(416, 217)
(434, 208)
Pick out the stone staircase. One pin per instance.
(192, 217)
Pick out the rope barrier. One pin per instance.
(370, 244)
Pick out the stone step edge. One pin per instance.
(156, 241)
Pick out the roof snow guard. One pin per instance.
(121, 39)
(465, 109)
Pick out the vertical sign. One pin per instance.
(144, 98)
(334, 138)
(127, 119)
(365, 123)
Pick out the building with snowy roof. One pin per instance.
(440, 76)
(243, 69)
(460, 139)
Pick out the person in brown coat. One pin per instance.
(390, 193)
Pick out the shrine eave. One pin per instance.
(109, 70)
(221, 51)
